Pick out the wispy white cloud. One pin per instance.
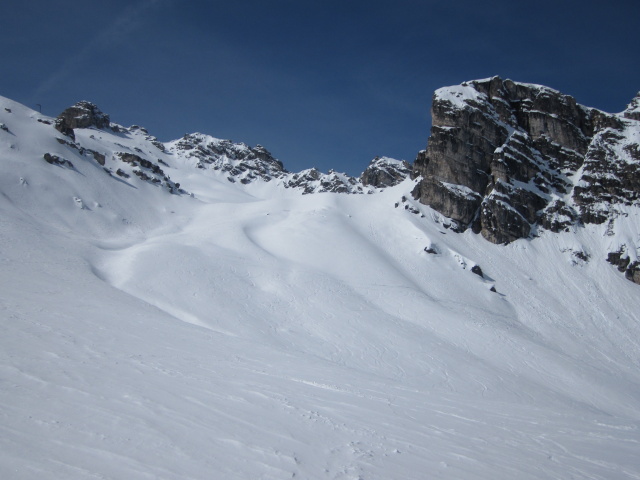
(132, 18)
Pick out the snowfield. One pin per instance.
(250, 332)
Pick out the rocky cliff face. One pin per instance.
(511, 159)
(506, 157)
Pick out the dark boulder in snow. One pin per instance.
(633, 272)
(431, 249)
(477, 270)
(99, 157)
(56, 160)
(620, 258)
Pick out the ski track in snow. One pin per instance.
(249, 333)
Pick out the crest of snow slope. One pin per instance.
(253, 333)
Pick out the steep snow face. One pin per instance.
(251, 331)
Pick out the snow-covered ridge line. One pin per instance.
(237, 162)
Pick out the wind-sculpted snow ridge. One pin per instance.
(218, 329)
(525, 160)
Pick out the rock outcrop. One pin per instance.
(81, 115)
(620, 258)
(147, 170)
(506, 158)
(385, 172)
(314, 181)
(245, 164)
(238, 160)
(511, 159)
(633, 110)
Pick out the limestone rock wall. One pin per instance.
(508, 158)
(512, 160)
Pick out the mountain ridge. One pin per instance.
(238, 160)
(505, 159)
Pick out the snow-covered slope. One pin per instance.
(197, 328)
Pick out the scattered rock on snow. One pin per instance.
(56, 160)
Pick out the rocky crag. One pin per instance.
(245, 164)
(385, 172)
(81, 115)
(512, 160)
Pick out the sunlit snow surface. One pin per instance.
(250, 332)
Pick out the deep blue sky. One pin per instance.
(326, 83)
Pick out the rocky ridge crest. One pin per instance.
(238, 162)
(245, 164)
